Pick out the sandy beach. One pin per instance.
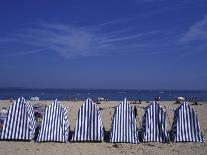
(107, 110)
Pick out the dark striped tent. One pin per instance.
(89, 126)
(55, 124)
(20, 122)
(154, 124)
(124, 124)
(186, 127)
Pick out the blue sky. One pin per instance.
(133, 44)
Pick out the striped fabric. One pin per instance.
(89, 126)
(55, 124)
(154, 124)
(186, 127)
(124, 124)
(20, 122)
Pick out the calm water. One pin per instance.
(82, 94)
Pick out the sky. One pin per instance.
(104, 44)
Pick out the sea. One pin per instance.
(110, 94)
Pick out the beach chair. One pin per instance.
(89, 126)
(55, 124)
(186, 127)
(154, 124)
(124, 128)
(19, 123)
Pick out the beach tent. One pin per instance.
(19, 123)
(89, 126)
(154, 124)
(186, 127)
(124, 124)
(55, 124)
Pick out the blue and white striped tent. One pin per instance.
(20, 122)
(154, 124)
(55, 124)
(186, 127)
(124, 124)
(89, 126)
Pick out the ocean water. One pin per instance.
(111, 94)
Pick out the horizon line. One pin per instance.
(149, 89)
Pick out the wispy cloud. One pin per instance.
(102, 39)
(197, 31)
(193, 52)
(166, 6)
(76, 41)
(130, 37)
(115, 21)
(16, 54)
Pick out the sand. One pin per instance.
(106, 148)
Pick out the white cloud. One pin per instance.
(76, 41)
(131, 36)
(196, 32)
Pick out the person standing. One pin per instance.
(135, 111)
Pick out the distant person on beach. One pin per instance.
(135, 112)
(139, 101)
(11, 100)
(157, 98)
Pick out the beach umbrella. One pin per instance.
(180, 98)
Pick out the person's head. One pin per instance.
(157, 98)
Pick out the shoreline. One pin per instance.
(111, 94)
